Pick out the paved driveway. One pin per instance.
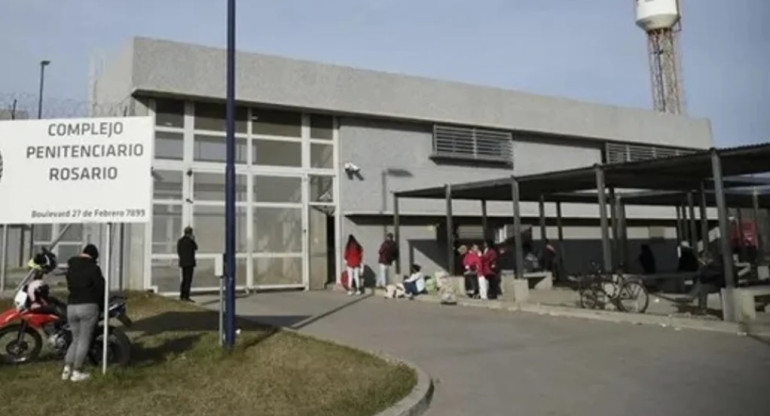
(489, 362)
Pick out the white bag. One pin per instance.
(20, 300)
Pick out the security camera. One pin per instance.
(350, 167)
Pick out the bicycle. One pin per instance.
(599, 289)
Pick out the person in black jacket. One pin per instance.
(85, 283)
(185, 249)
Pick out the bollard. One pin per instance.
(219, 272)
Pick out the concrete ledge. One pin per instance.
(618, 317)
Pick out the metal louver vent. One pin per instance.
(621, 153)
(472, 144)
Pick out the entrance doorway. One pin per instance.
(321, 240)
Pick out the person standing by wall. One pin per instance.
(471, 268)
(387, 255)
(185, 249)
(85, 283)
(489, 270)
(354, 254)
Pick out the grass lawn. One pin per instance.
(178, 368)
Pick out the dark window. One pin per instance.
(321, 127)
(276, 123)
(169, 113)
(212, 116)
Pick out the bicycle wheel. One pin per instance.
(633, 297)
(593, 296)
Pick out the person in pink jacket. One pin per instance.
(489, 271)
(471, 269)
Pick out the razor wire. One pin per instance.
(22, 106)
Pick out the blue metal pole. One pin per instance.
(230, 183)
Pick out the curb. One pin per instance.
(618, 317)
(418, 401)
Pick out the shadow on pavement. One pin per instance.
(330, 312)
(280, 321)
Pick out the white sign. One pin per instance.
(93, 170)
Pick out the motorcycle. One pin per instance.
(26, 327)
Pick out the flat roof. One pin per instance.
(678, 173)
(160, 67)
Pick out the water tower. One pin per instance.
(661, 19)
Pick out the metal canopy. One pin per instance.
(678, 173)
(663, 198)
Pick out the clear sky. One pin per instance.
(589, 50)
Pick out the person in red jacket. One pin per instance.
(388, 254)
(354, 254)
(471, 269)
(489, 270)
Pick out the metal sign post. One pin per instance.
(107, 250)
(230, 182)
(220, 274)
(4, 258)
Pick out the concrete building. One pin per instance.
(322, 147)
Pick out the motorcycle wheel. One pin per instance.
(12, 352)
(119, 348)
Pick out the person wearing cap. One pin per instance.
(185, 249)
(86, 286)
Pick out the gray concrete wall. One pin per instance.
(396, 156)
(114, 85)
(166, 67)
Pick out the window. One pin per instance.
(211, 187)
(209, 225)
(321, 127)
(169, 145)
(472, 144)
(43, 232)
(167, 184)
(277, 189)
(322, 189)
(74, 233)
(278, 230)
(276, 123)
(321, 156)
(67, 251)
(277, 153)
(278, 270)
(166, 228)
(621, 153)
(169, 113)
(211, 116)
(214, 149)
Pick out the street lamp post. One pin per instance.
(44, 63)
(229, 340)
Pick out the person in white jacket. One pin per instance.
(415, 283)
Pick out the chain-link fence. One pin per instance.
(22, 106)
